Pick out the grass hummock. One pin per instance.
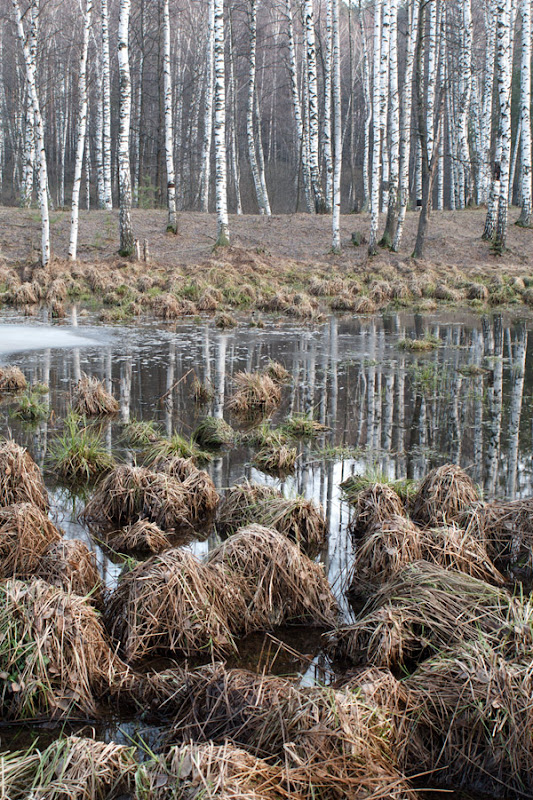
(91, 398)
(25, 534)
(256, 393)
(213, 433)
(79, 454)
(20, 477)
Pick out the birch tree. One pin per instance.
(258, 178)
(394, 164)
(525, 116)
(223, 237)
(127, 244)
(312, 106)
(337, 125)
(205, 174)
(172, 224)
(82, 131)
(106, 104)
(376, 134)
(503, 71)
(30, 70)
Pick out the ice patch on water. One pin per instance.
(15, 338)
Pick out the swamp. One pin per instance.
(276, 560)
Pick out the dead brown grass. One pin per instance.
(141, 537)
(374, 504)
(25, 534)
(202, 496)
(20, 477)
(506, 529)
(279, 583)
(12, 379)
(55, 659)
(70, 565)
(91, 398)
(256, 393)
(444, 494)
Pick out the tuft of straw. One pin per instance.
(70, 565)
(173, 603)
(70, 768)
(120, 497)
(176, 447)
(214, 433)
(280, 584)
(424, 609)
(391, 545)
(506, 529)
(79, 454)
(473, 709)
(374, 504)
(55, 658)
(12, 379)
(25, 534)
(202, 496)
(20, 477)
(276, 371)
(91, 398)
(297, 518)
(444, 494)
(276, 459)
(141, 537)
(255, 393)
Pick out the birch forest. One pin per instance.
(268, 107)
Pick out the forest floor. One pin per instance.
(288, 253)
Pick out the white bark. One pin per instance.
(259, 184)
(30, 68)
(376, 133)
(205, 175)
(172, 224)
(394, 128)
(337, 127)
(220, 128)
(503, 69)
(312, 103)
(106, 105)
(82, 131)
(465, 87)
(327, 130)
(525, 114)
(124, 173)
(368, 112)
(297, 108)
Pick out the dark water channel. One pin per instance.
(389, 411)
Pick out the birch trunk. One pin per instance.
(30, 68)
(525, 115)
(503, 68)
(368, 113)
(234, 118)
(220, 128)
(205, 175)
(106, 105)
(394, 165)
(465, 86)
(405, 123)
(172, 224)
(376, 133)
(82, 131)
(312, 103)
(127, 244)
(262, 199)
(297, 108)
(328, 161)
(337, 127)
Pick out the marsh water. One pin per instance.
(389, 411)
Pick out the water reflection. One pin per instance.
(387, 409)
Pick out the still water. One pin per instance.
(388, 410)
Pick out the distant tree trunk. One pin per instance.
(220, 128)
(127, 244)
(503, 69)
(234, 117)
(28, 166)
(106, 105)
(172, 224)
(262, 197)
(465, 86)
(205, 174)
(337, 127)
(312, 102)
(428, 164)
(394, 165)
(368, 113)
(405, 122)
(486, 107)
(376, 134)
(30, 68)
(525, 115)
(297, 108)
(82, 131)
(326, 138)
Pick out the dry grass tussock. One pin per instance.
(91, 398)
(506, 528)
(297, 518)
(209, 771)
(443, 496)
(12, 379)
(328, 744)
(391, 545)
(279, 583)
(141, 537)
(128, 494)
(374, 504)
(202, 496)
(424, 609)
(70, 565)
(71, 768)
(173, 603)
(256, 393)
(25, 534)
(55, 658)
(20, 477)
(473, 709)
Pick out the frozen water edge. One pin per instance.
(16, 338)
